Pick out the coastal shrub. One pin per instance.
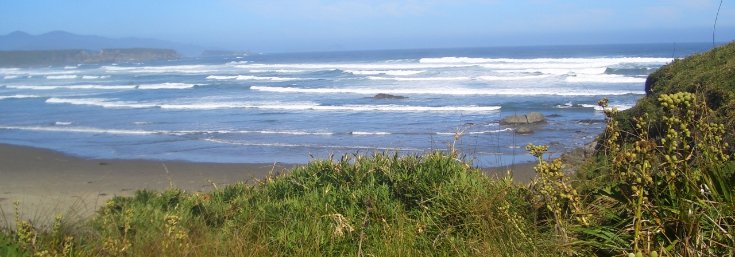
(709, 75)
(674, 193)
(552, 189)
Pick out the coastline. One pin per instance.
(48, 183)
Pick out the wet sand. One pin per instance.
(49, 183)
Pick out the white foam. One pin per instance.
(61, 77)
(105, 103)
(10, 77)
(277, 71)
(620, 107)
(604, 78)
(385, 72)
(510, 78)
(94, 77)
(407, 67)
(567, 105)
(81, 130)
(295, 106)
(553, 66)
(338, 108)
(422, 79)
(369, 133)
(107, 87)
(167, 85)
(339, 147)
(490, 131)
(349, 66)
(9, 70)
(566, 91)
(456, 60)
(556, 71)
(3, 97)
(294, 133)
(247, 77)
(64, 126)
(446, 133)
(598, 60)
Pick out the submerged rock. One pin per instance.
(388, 96)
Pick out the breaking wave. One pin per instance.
(566, 91)
(295, 106)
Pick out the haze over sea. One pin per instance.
(290, 107)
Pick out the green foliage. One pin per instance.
(381, 205)
(552, 188)
(9, 248)
(673, 193)
(710, 75)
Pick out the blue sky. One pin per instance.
(317, 25)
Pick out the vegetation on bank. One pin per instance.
(710, 75)
(79, 56)
(661, 184)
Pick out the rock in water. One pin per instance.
(514, 119)
(388, 96)
(524, 124)
(530, 118)
(535, 117)
(524, 130)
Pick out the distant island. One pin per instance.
(81, 56)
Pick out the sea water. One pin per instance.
(294, 107)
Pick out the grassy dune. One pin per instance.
(382, 205)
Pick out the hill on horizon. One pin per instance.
(60, 40)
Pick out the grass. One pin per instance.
(382, 205)
(661, 184)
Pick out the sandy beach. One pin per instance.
(48, 183)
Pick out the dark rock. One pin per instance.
(530, 118)
(388, 96)
(535, 117)
(514, 119)
(524, 130)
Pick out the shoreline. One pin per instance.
(48, 183)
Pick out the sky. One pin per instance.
(328, 25)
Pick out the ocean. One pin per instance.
(295, 107)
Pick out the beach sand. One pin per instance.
(49, 183)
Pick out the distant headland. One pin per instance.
(81, 56)
(21, 49)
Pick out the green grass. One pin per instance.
(661, 184)
(382, 205)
